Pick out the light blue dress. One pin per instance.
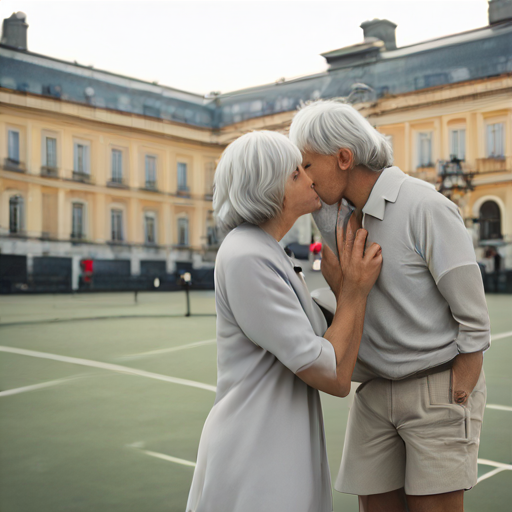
(262, 448)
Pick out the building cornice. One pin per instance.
(171, 130)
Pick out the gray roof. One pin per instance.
(471, 55)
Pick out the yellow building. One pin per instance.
(94, 178)
(105, 167)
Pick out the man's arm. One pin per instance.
(463, 289)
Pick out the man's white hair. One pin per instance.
(250, 179)
(326, 126)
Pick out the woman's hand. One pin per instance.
(331, 270)
(360, 268)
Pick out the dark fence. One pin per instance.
(498, 282)
(13, 273)
(51, 274)
(114, 275)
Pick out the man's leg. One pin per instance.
(393, 501)
(447, 502)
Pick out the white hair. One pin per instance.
(326, 126)
(250, 179)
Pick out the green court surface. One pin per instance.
(102, 402)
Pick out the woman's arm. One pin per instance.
(359, 271)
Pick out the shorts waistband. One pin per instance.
(435, 369)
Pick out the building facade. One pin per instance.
(104, 167)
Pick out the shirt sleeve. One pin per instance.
(446, 246)
(442, 239)
(267, 310)
(463, 289)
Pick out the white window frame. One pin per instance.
(210, 168)
(117, 209)
(86, 160)
(182, 185)
(150, 215)
(458, 142)
(421, 136)
(113, 170)
(183, 219)
(495, 139)
(210, 225)
(10, 145)
(21, 216)
(147, 170)
(44, 150)
(83, 204)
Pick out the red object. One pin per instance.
(316, 247)
(87, 266)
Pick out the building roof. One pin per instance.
(475, 54)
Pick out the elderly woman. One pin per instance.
(262, 446)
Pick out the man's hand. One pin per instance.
(465, 373)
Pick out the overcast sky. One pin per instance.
(203, 46)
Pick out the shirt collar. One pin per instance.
(386, 188)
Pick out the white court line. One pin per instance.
(495, 464)
(500, 336)
(168, 458)
(23, 389)
(488, 475)
(499, 407)
(108, 366)
(167, 350)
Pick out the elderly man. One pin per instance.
(414, 427)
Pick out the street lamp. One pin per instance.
(452, 181)
(186, 279)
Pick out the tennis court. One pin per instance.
(102, 402)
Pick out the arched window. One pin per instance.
(16, 214)
(490, 221)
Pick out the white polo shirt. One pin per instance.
(428, 303)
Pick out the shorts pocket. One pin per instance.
(440, 388)
(440, 397)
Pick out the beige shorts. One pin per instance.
(410, 434)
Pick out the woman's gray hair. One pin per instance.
(326, 126)
(250, 179)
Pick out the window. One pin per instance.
(117, 225)
(78, 221)
(458, 144)
(117, 166)
(490, 221)
(51, 152)
(495, 140)
(183, 231)
(211, 231)
(150, 171)
(150, 228)
(425, 149)
(13, 143)
(15, 214)
(210, 173)
(182, 177)
(81, 158)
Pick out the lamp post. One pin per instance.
(186, 279)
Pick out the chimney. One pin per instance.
(499, 10)
(14, 31)
(381, 29)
